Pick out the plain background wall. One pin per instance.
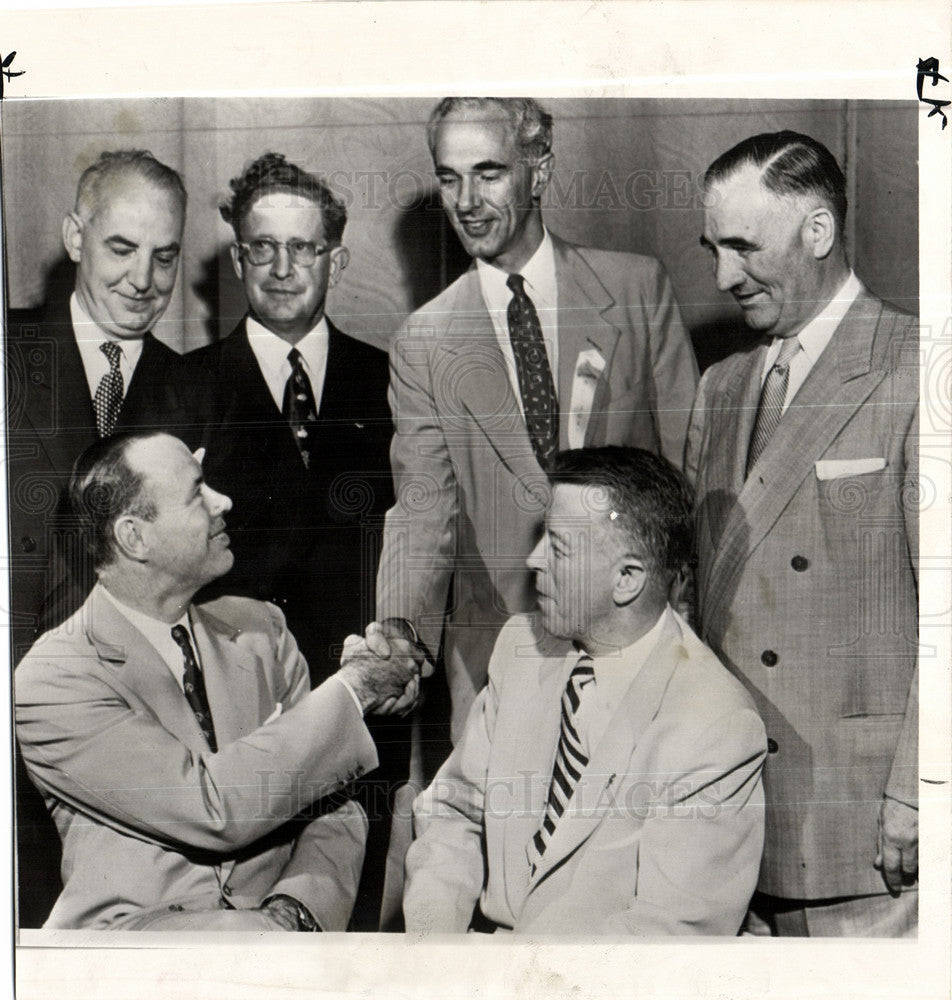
(627, 178)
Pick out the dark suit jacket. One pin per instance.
(50, 421)
(304, 539)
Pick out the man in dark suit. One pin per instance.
(301, 429)
(804, 452)
(77, 369)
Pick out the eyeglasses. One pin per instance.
(302, 252)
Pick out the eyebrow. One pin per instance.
(730, 242)
(122, 241)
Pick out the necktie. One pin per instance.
(772, 395)
(108, 399)
(539, 402)
(571, 758)
(299, 408)
(195, 687)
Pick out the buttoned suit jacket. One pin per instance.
(149, 817)
(807, 589)
(470, 492)
(664, 829)
(306, 539)
(51, 421)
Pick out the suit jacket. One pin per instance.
(304, 539)
(147, 815)
(664, 829)
(470, 493)
(807, 589)
(50, 423)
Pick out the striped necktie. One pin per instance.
(108, 399)
(772, 396)
(571, 758)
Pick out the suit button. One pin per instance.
(772, 746)
(769, 658)
(28, 544)
(175, 908)
(226, 889)
(799, 563)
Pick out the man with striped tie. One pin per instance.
(608, 777)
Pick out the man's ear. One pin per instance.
(128, 536)
(236, 262)
(819, 232)
(542, 174)
(73, 236)
(630, 579)
(340, 258)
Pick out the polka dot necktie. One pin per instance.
(108, 399)
(539, 402)
(299, 408)
(194, 684)
(571, 758)
(772, 396)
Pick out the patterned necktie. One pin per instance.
(772, 395)
(108, 399)
(539, 401)
(571, 758)
(299, 408)
(195, 687)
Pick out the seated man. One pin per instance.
(608, 778)
(173, 743)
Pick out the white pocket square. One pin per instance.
(589, 366)
(837, 468)
(277, 711)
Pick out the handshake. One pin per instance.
(384, 667)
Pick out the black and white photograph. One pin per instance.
(508, 517)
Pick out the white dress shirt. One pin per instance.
(272, 354)
(614, 673)
(89, 335)
(813, 338)
(540, 286)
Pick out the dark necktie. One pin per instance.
(570, 758)
(108, 399)
(539, 402)
(195, 687)
(772, 395)
(299, 408)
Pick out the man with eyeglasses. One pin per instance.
(301, 430)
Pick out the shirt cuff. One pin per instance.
(351, 692)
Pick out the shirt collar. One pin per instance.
(89, 335)
(538, 274)
(818, 332)
(272, 352)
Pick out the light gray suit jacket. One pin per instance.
(664, 830)
(807, 589)
(470, 493)
(147, 815)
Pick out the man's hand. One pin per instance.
(378, 636)
(898, 857)
(391, 680)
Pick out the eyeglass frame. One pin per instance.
(245, 248)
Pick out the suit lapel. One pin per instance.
(610, 760)
(588, 320)
(838, 384)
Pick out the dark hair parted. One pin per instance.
(791, 164)
(272, 172)
(531, 125)
(103, 488)
(653, 501)
(116, 163)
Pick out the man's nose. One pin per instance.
(469, 196)
(140, 273)
(281, 265)
(728, 273)
(217, 503)
(536, 558)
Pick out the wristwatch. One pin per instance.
(291, 907)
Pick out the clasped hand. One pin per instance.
(384, 670)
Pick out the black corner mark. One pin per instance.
(6, 73)
(929, 69)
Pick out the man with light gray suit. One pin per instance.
(804, 453)
(195, 780)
